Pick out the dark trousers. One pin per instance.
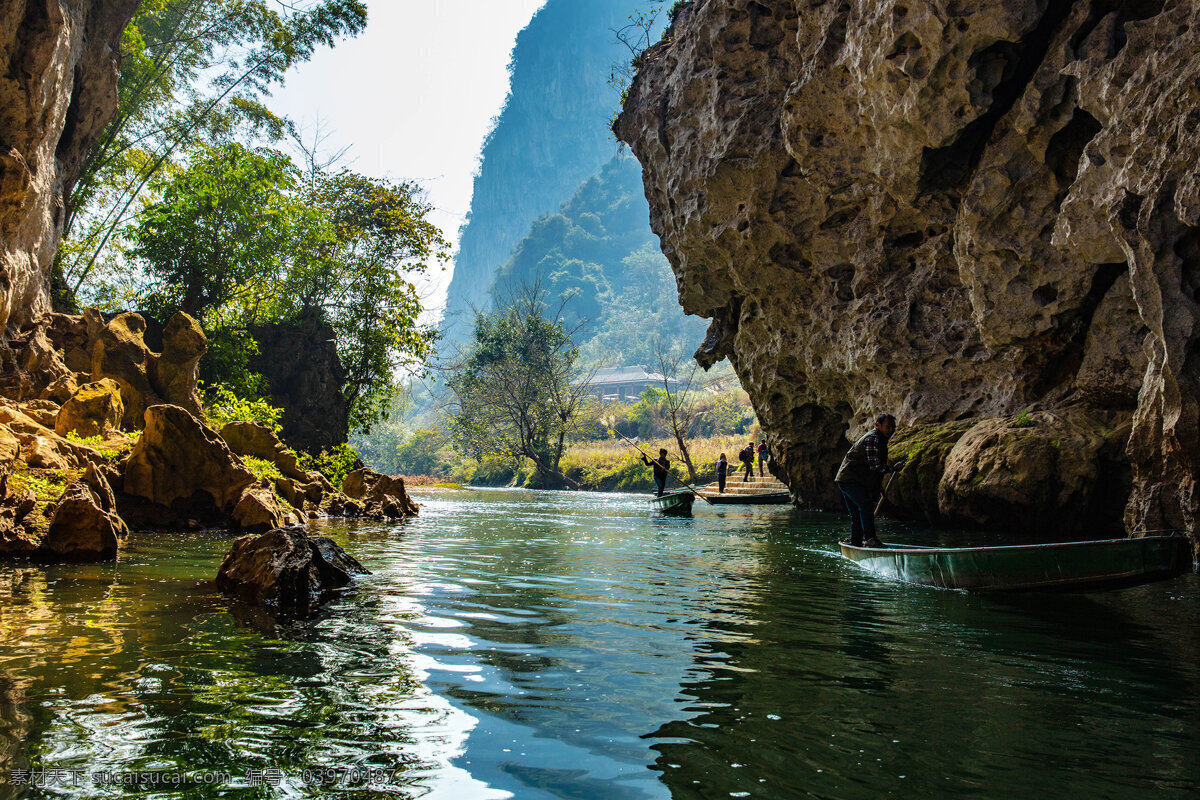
(860, 502)
(749, 470)
(761, 460)
(660, 484)
(720, 481)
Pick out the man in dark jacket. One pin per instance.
(661, 467)
(860, 479)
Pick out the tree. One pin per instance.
(357, 278)
(192, 72)
(516, 391)
(678, 398)
(240, 237)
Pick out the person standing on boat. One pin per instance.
(860, 479)
(722, 471)
(747, 459)
(662, 466)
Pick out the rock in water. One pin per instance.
(382, 495)
(285, 569)
(944, 210)
(80, 529)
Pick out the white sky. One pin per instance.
(413, 97)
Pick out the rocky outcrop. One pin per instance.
(58, 91)
(119, 352)
(92, 410)
(305, 376)
(285, 569)
(80, 528)
(178, 462)
(380, 495)
(952, 211)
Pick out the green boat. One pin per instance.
(678, 504)
(1074, 566)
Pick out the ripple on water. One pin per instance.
(567, 645)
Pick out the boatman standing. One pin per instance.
(661, 467)
(860, 479)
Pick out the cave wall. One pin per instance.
(951, 210)
(58, 90)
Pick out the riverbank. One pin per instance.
(610, 466)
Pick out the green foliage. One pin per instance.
(241, 237)
(514, 392)
(261, 468)
(1023, 420)
(47, 485)
(114, 450)
(335, 463)
(192, 71)
(217, 241)
(223, 406)
(599, 251)
(423, 453)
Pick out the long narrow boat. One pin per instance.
(677, 504)
(766, 498)
(1100, 564)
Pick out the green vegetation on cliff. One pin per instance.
(599, 255)
(241, 237)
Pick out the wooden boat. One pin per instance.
(1074, 566)
(766, 498)
(757, 491)
(677, 504)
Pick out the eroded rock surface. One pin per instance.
(58, 89)
(949, 210)
(380, 495)
(285, 569)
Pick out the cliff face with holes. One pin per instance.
(58, 90)
(956, 211)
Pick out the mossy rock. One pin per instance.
(914, 490)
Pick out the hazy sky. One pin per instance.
(414, 96)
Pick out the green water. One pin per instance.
(544, 645)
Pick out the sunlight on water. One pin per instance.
(575, 645)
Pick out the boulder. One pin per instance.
(174, 372)
(284, 569)
(256, 439)
(259, 510)
(80, 529)
(44, 412)
(93, 409)
(15, 537)
(120, 353)
(41, 447)
(382, 495)
(178, 459)
(99, 480)
(61, 389)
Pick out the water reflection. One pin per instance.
(542, 645)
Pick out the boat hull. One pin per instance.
(1074, 566)
(677, 504)
(766, 499)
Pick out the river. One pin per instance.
(564, 645)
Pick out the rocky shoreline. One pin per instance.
(99, 435)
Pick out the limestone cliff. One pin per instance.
(955, 210)
(57, 92)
